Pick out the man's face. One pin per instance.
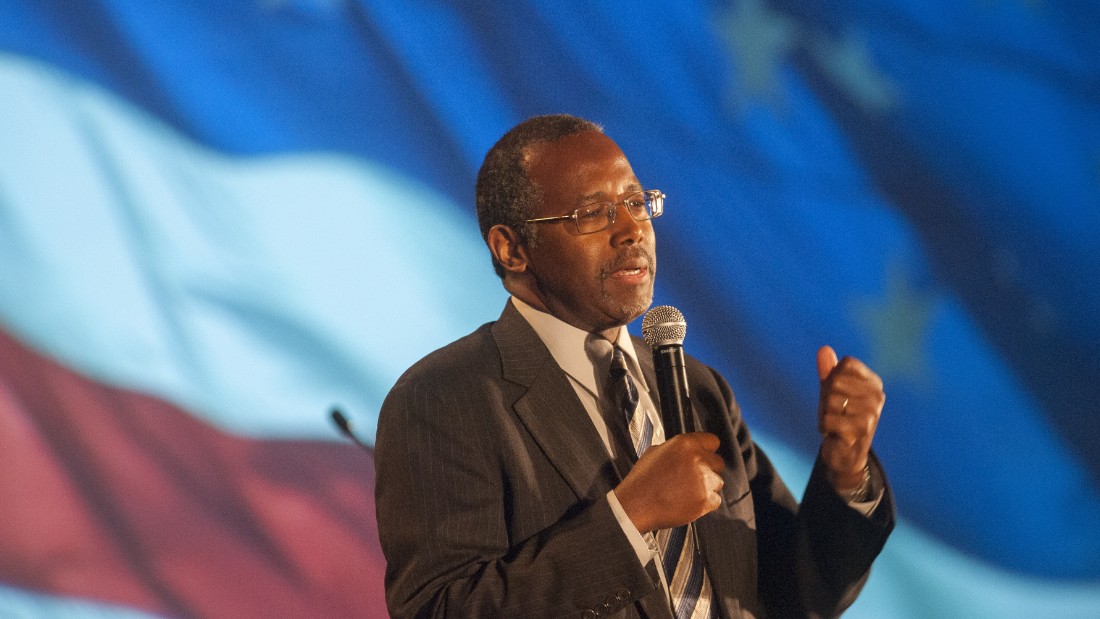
(593, 281)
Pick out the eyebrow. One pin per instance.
(600, 196)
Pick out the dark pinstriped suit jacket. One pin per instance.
(491, 497)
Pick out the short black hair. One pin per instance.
(504, 193)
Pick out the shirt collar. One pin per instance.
(566, 345)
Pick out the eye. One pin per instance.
(591, 212)
(636, 203)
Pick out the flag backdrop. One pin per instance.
(221, 218)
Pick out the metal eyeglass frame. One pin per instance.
(653, 205)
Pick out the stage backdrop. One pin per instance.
(221, 218)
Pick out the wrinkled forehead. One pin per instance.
(583, 166)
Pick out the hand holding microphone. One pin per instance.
(673, 483)
(678, 481)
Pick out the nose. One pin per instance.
(626, 230)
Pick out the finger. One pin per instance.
(713, 482)
(713, 485)
(832, 404)
(850, 371)
(714, 501)
(849, 429)
(840, 403)
(852, 400)
(705, 440)
(826, 361)
(714, 462)
(836, 403)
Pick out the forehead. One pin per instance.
(587, 164)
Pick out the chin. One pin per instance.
(632, 311)
(624, 307)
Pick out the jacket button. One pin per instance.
(622, 595)
(589, 614)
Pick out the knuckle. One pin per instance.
(849, 363)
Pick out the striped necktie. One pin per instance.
(684, 571)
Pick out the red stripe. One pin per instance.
(117, 496)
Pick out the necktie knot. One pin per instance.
(618, 362)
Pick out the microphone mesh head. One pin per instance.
(663, 325)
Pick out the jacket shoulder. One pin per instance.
(472, 354)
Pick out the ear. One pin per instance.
(507, 248)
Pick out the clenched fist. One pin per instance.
(847, 414)
(673, 483)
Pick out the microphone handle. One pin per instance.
(677, 413)
(672, 388)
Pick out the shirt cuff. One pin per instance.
(645, 546)
(877, 488)
(867, 507)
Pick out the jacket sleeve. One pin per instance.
(812, 558)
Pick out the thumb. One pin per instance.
(826, 361)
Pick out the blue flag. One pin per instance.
(233, 215)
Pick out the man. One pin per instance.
(508, 485)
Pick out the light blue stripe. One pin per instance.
(256, 293)
(22, 604)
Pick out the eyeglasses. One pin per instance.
(642, 205)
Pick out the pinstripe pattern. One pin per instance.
(491, 495)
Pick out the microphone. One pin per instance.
(663, 328)
(344, 426)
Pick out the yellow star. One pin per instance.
(897, 326)
(847, 61)
(759, 41)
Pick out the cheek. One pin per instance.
(574, 263)
(580, 274)
(565, 267)
(580, 260)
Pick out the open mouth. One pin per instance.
(632, 267)
(631, 272)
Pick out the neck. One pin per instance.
(610, 334)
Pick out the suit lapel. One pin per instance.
(548, 407)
